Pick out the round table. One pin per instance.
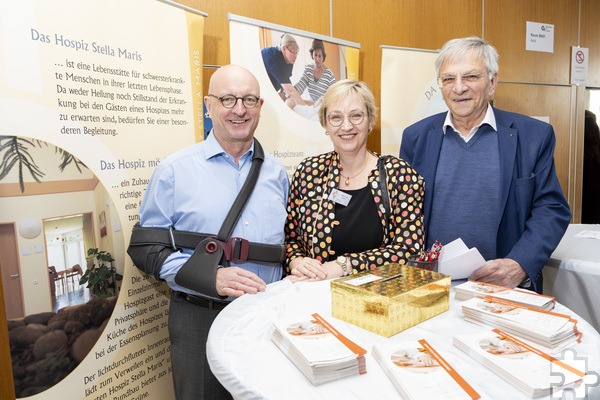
(249, 365)
(572, 274)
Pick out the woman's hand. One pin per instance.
(308, 267)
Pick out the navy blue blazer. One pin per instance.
(534, 214)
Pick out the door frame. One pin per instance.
(9, 245)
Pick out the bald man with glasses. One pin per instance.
(193, 190)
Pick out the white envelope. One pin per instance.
(458, 261)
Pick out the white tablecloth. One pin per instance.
(572, 275)
(250, 366)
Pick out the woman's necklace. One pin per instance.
(347, 181)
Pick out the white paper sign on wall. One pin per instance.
(539, 37)
(579, 65)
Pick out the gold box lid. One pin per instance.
(391, 280)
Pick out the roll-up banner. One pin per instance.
(409, 92)
(289, 130)
(93, 95)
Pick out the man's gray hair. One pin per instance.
(455, 49)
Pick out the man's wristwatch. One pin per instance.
(526, 284)
(343, 262)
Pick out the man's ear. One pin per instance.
(493, 84)
(208, 106)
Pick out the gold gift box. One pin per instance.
(390, 298)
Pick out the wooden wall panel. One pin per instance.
(559, 103)
(505, 28)
(543, 101)
(308, 15)
(590, 38)
(425, 24)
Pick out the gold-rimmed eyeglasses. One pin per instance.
(229, 100)
(337, 120)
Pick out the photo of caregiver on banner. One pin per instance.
(294, 69)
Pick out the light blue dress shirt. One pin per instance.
(193, 190)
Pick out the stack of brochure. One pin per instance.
(527, 368)
(318, 350)
(552, 330)
(470, 289)
(420, 373)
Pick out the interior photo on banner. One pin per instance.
(294, 69)
(409, 92)
(93, 96)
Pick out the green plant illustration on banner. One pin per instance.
(15, 153)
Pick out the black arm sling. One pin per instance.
(150, 247)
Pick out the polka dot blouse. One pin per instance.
(311, 216)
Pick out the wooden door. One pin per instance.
(7, 387)
(11, 274)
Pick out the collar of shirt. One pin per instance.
(489, 119)
(212, 148)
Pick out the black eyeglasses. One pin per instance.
(337, 120)
(229, 100)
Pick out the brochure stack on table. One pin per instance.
(419, 372)
(551, 330)
(470, 289)
(317, 349)
(532, 371)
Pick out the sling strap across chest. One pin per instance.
(149, 247)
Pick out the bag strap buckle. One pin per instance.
(236, 249)
(172, 239)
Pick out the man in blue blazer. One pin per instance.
(489, 174)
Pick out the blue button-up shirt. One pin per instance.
(193, 190)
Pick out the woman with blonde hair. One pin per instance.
(350, 209)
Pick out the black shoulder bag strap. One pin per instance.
(199, 273)
(383, 186)
(240, 201)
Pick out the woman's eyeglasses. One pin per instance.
(337, 120)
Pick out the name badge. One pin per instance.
(337, 196)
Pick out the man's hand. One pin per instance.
(236, 281)
(502, 271)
